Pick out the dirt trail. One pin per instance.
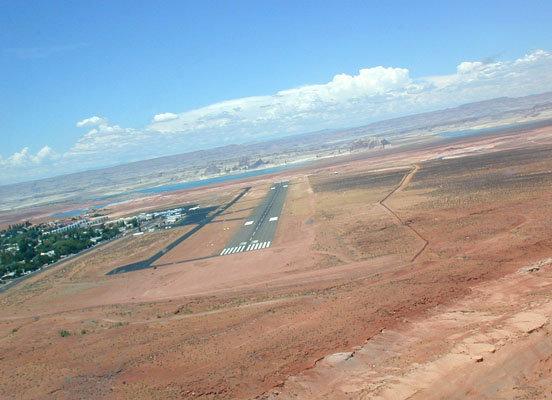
(403, 183)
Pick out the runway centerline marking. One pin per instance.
(260, 225)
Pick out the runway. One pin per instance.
(200, 224)
(258, 229)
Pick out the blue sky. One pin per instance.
(218, 72)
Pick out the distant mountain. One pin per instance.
(535, 107)
(238, 158)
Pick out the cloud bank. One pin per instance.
(347, 100)
(375, 93)
(24, 158)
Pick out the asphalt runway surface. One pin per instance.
(257, 232)
(258, 229)
(148, 263)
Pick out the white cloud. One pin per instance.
(103, 138)
(92, 121)
(348, 100)
(294, 110)
(467, 67)
(25, 158)
(46, 153)
(109, 145)
(164, 117)
(18, 159)
(345, 101)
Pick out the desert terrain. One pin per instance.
(44, 197)
(421, 272)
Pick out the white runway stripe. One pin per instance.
(255, 245)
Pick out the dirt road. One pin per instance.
(404, 182)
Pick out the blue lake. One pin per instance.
(204, 182)
(479, 131)
(74, 213)
(176, 186)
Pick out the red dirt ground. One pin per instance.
(338, 273)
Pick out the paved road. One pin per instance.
(258, 229)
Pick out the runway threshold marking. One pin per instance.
(242, 248)
(140, 265)
(254, 244)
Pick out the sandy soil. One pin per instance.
(335, 308)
